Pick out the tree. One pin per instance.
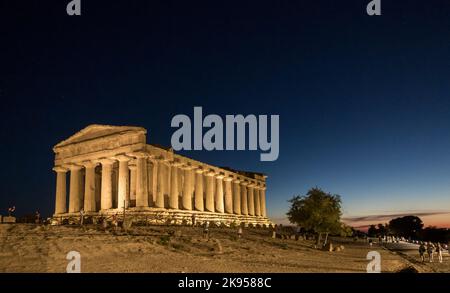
(408, 226)
(317, 211)
(372, 232)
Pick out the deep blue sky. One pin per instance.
(364, 102)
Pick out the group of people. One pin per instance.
(430, 248)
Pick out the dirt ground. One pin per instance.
(31, 248)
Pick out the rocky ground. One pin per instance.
(31, 248)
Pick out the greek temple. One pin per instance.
(112, 170)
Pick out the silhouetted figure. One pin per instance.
(11, 211)
(439, 252)
(430, 250)
(37, 217)
(422, 250)
(193, 220)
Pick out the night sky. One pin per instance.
(364, 102)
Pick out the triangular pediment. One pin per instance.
(97, 131)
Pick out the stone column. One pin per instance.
(236, 197)
(76, 189)
(209, 201)
(218, 200)
(61, 193)
(257, 201)
(153, 182)
(106, 202)
(251, 199)
(187, 188)
(244, 209)
(173, 198)
(141, 180)
(123, 197)
(159, 203)
(262, 195)
(199, 190)
(132, 183)
(89, 187)
(228, 195)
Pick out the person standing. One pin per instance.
(430, 250)
(240, 232)
(11, 211)
(439, 252)
(37, 217)
(422, 250)
(206, 230)
(81, 217)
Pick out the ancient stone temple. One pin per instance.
(112, 170)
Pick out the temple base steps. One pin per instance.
(160, 216)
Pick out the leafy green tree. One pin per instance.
(317, 211)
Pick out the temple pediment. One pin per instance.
(98, 131)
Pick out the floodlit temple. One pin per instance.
(111, 170)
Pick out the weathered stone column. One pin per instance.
(257, 200)
(153, 182)
(262, 195)
(159, 203)
(89, 187)
(187, 188)
(218, 200)
(236, 197)
(209, 201)
(141, 180)
(199, 206)
(132, 182)
(251, 199)
(228, 195)
(106, 195)
(244, 209)
(76, 189)
(123, 197)
(174, 191)
(61, 193)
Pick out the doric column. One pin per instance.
(76, 189)
(132, 182)
(228, 195)
(174, 191)
(236, 197)
(244, 209)
(106, 202)
(218, 200)
(262, 195)
(60, 202)
(123, 195)
(153, 182)
(89, 187)
(141, 180)
(257, 200)
(209, 201)
(159, 202)
(199, 190)
(251, 199)
(187, 188)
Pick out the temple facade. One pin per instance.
(105, 170)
